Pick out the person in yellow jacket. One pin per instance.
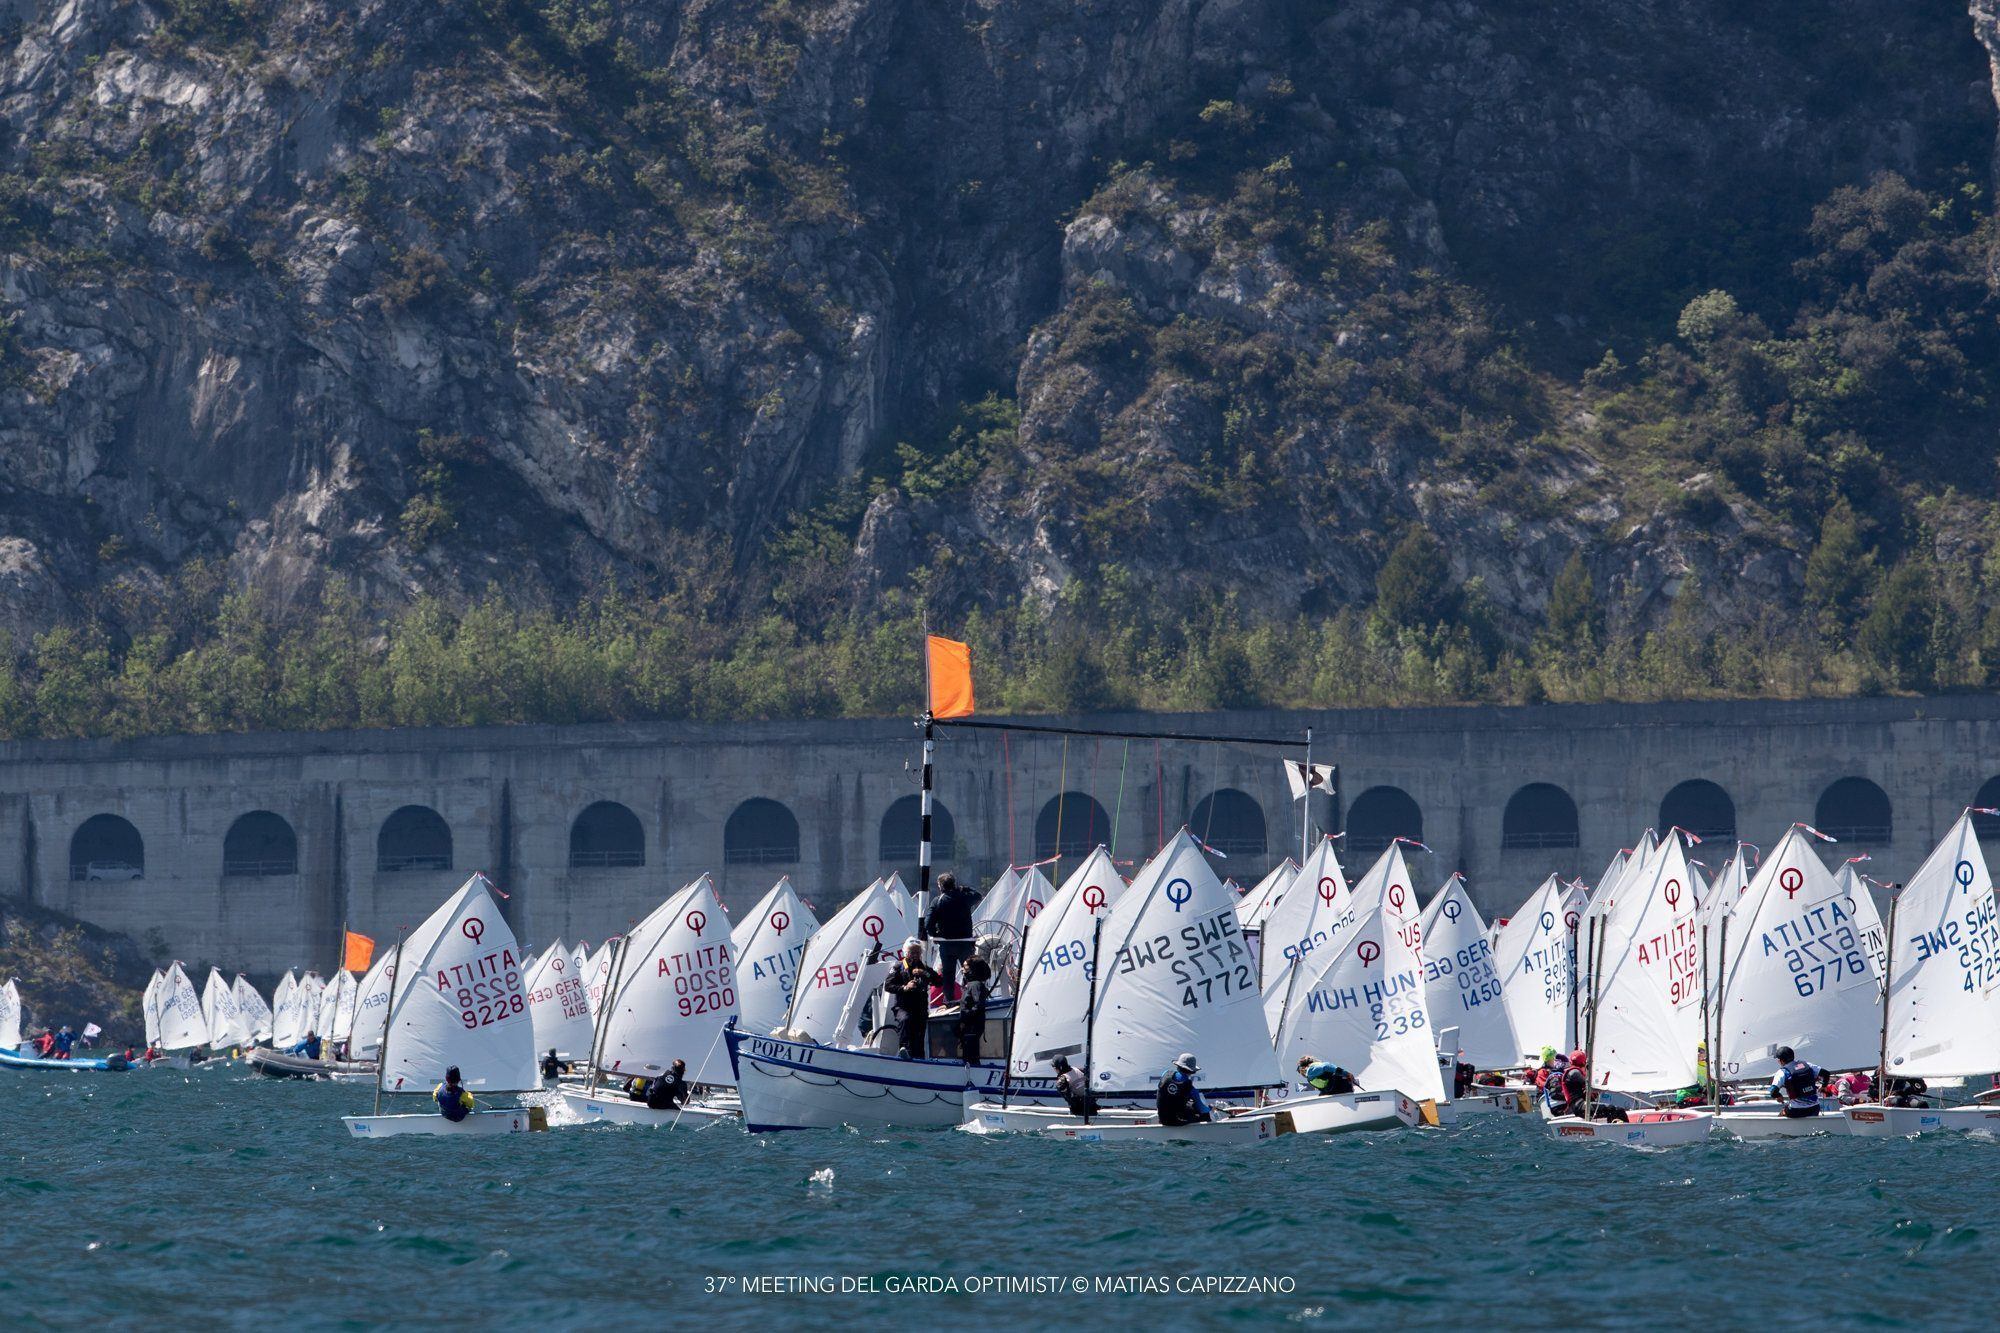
(454, 1102)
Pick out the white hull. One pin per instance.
(514, 1120)
(1768, 1123)
(1654, 1129)
(1123, 1126)
(1348, 1112)
(798, 1085)
(1497, 1101)
(615, 1108)
(1871, 1120)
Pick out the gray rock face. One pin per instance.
(598, 281)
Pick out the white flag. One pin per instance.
(1308, 777)
(91, 1030)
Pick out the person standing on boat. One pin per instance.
(911, 984)
(552, 1066)
(1795, 1086)
(950, 928)
(1075, 1089)
(453, 1101)
(1179, 1101)
(64, 1041)
(45, 1044)
(973, 997)
(1325, 1078)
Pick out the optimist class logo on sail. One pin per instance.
(487, 988)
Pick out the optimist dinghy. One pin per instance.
(673, 990)
(1174, 973)
(1645, 1129)
(455, 998)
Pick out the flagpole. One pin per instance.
(924, 838)
(1306, 820)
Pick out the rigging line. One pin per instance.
(1096, 758)
(1208, 825)
(991, 725)
(1118, 811)
(1062, 799)
(1159, 797)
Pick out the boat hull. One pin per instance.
(789, 1084)
(512, 1120)
(615, 1108)
(34, 1063)
(1124, 1126)
(1872, 1120)
(278, 1064)
(1760, 1123)
(1351, 1112)
(1646, 1129)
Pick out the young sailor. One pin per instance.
(552, 1066)
(973, 998)
(454, 1103)
(1324, 1078)
(1075, 1091)
(670, 1091)
(1179, 1101)
(1796, 1084)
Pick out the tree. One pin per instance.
(1840, 571)
(1414, 588)
(1896, 636)
(1573, 621)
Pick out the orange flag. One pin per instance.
(948, 670)
(359, 953)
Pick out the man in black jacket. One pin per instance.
(670, 1091)
(911, 984)
(950, 925)
(1179, 1101)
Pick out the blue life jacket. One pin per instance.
(454, 1104)
(1797, 1084)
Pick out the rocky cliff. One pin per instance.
(829, 304)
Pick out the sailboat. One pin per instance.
(218, 1013)
(1006, 912)
(287, 1028)
(182, 1026)
(1940, 1015)
(1535, 955)
(769, 942)
(149, 1009)
(673, 991)
(1462, 986)
(13, 1057)
(1253, 907)
(1172, 971)
(10, 1018)
(1362, 1004)
(1643, 1014)
(557, 1005)
(1794, 972)
(256, 1014)
(455, 999)
(1311, 915)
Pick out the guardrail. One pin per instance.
(606, 860)
(777, 853)
(396, 865)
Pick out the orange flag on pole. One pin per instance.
(948, 672)
(359, 953)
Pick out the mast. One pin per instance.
(1090, 1012)
(1709, 1052)
(924, 840)
(1305, 828)
(1721, 996)
(1596, 993)
(1888, 973)
(388, 1012)
(604, 1013)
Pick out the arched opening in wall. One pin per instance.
(1070, 825)
(1231, 822)
(902, 829)
(1539, 815)
(1377, 818)
(414, 838)
(1855, 810)
(606, 835)
(760, 832)
(1700, 807)
(1987, 827)
(260, 843)
(106, 847)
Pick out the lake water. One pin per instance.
(217, 1196)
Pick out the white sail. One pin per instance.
(1944, 992)
(1728, 890)
(371, 1006)
(311, 993)
(1052, 1009)
(1461, 983)
(1304, 918)
(1001, 903)
(1648, 994)
(345, 989)
(1176, 974)
(1361, 1005)
(581, 957)
(557, 1005)
(831, 966)
(1796, 973)
(1253, 907)
(1536, 958)
(674, 991)
(458, 1001)
(256, 1015)
(1867, 917)
(769, 942)
(218, 1011)
(182, 1027)
(597, 975)
(10, 1016)
(149, 1007)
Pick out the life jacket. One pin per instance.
(1330, 1079)
(453, 1105)
(1800, 1081)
